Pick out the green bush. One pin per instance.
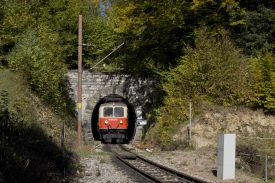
(264, 69)
(37, 57)
(215, 70)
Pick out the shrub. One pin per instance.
(37, 57)
(214, 70)
(264, 69)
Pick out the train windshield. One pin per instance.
(119, 112)
(113, 112)
(108, 112)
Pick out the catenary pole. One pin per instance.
(79, 83)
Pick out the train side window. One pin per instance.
(108, 112)
(119, 112)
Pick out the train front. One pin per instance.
(113, 122)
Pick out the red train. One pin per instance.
(113, 117)
(113, 120)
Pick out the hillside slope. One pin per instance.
(30, 138)
(213, 120)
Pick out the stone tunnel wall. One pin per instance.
(140, 91)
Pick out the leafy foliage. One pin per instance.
(40, 43)
(214, 70)
(154, 32)
(100, 37)
(62, 19)
(37, 58)
(170, 117)
(39, 39)
(216, 14)
(264, 68)
(29, 138)
(257, 33)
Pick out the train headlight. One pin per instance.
(121, 122)
(106, 122)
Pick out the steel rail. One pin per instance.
(175, 172)
(162, 170)
(138, 170)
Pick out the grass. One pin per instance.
(253, 152)
(84, 151)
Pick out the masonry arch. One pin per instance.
(140, 91)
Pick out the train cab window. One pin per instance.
(119, 112)
(108, 112)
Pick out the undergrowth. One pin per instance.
(30, 138)
(204, 73)
(253, 153)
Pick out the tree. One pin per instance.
(214, 70)
(257, 34)
(100, 34)
(154, 32)
(14, 18)
(37, 57)
(264, 68)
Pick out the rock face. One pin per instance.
(241, 121)
(139, 91)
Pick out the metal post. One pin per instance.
(190, 121)
(79, 84)
(63, 147)
(266, 178)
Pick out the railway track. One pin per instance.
(151, 170)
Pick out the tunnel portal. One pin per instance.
(139, 91)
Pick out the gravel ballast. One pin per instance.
(100, 167)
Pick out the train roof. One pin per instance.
(120, 104)
(113, 98)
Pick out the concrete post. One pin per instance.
(226, 156)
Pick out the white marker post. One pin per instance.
(226, 156)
